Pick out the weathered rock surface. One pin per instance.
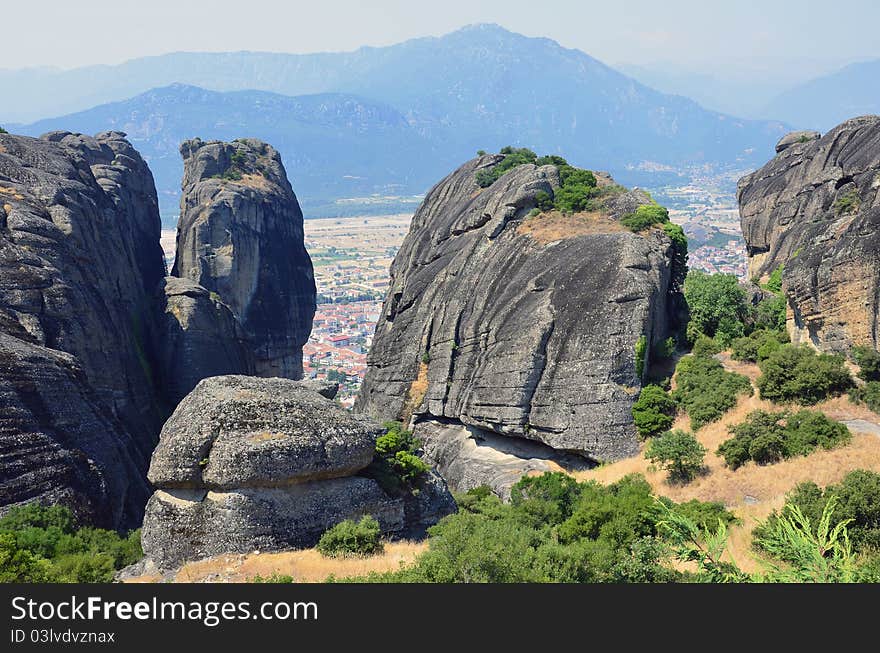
(79, 262)
(246, 463)
(815, 208)
(200, 338)
(240, 235)
(495, 322)
(796, 138)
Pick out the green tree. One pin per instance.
(679, 453)
(774, 281)
(653, 412)
(868, 360)
(713, 300)
(19, 565)
(645, 217)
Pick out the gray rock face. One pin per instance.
(79, 262)
(796, 138)
(815, 208)
(246, 463)
(200, 338)
(240, 235)
(518, 327)
(240, 431)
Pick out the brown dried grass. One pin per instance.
(553, 226)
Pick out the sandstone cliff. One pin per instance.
(79, 262)
(498, 323)
(815, 208)
(240, 236)
(249, 464)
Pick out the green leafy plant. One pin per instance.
(706, 390)
(868, 394)
(848, 202)
(679, 453)
(653, 412)
(774, 281)
(352, 539)
(396, 465)
(644, 217)
(714, 301)
(800, 375)
(868, 360)
(641, 349)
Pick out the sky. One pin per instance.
(742, 37)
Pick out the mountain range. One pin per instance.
(386, 121)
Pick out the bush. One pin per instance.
(706, 390)
(679, 255)
(774, 281)
(513, 157)
(770, 314)
(641, 350)
(800, 375)
(705, 347)
(858, 499)
(679, 453)
(848, 202)
(43, 542)
(768, 437)
(868, 394)
(3, 131)
(705, 514)
(653, 412)
(757, 346)
(396, 465)
(275, 578)
(714, 300)
(352, 539)
(868, 360)
(644, 217)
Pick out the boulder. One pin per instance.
(249, 463)
(517, 325)
(796, 138)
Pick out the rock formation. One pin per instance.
(247, 464)
(513, 335)
(79, 261)
(240, 236)
(815, 208)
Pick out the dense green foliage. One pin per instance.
(857, 499)
(706, 390)
(774, 281)
(679, 255)
(705, 347)
(653, 412)
(757, 346)
(679, 453)
(644, 217)
(349, 538)
(800, 375)
(717, 306)
(513, 157)
(3, 131)
(39, 543)
(396, 465)
(868, 360)
(770, 314)
(768, 437)
(868, 394)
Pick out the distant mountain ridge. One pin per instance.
(831, 99)
(406, 113)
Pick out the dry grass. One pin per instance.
(306, 566)
(753, 491)
(553, 226)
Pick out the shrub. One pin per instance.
(800, 375)
(757, 346)
(665, 349)
(513, 157)
(19, 565)
(653, 412)
(543, 201)
(770, 314)
(868, 360)
(705, 514)
(774, 281)
(644, 217)
(706, 390)
(3, 131)
(764, 438)
(679, 453)
(352, 539)
(713, 300)
(396, 465)
(679, 255)
(705, 347)
(572, 198)
(848, 202)
(275, 578)
(868, 394)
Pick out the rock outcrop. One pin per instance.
(240, 236)
(79, 263)
(247, 464)
(524, 327)
(815, 208)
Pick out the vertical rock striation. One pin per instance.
(815, 208)
(79, 262)
(240, 236)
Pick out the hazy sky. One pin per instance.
(688, 34)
